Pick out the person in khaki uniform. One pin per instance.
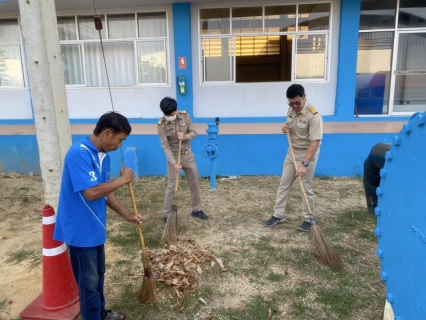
(174, 126)
(305, 126)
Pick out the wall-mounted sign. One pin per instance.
(182, 63)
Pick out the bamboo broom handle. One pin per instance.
(178, 173)
(135, 209)
(300, 180)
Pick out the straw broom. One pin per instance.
(147, 293)
(170, 230)
(322, 247)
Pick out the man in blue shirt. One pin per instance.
(86, 190)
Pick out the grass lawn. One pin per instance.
(272, 273)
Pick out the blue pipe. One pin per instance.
(210, 150)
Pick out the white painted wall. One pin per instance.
(133, 102)
(260, 99)
(91, 102)
(15, 104)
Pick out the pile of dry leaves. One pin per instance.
(180, 264)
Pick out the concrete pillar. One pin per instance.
(44, 63)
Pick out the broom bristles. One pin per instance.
(324, 250)
(147, 293)
(169, 233)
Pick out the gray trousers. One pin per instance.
(287, 180)
(190, 168)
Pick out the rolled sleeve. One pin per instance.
(192, 134)
(316, 128)
(165, 145)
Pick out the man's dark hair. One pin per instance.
(294, 91)
(168, 105)
(114, 121)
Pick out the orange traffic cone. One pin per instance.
(59, 299)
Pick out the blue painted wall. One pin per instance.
(20, 154)
(348, 55)
(182, 42)
(341, 154)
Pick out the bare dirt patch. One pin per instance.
(21, 205)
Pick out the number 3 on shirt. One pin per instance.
(92, 174)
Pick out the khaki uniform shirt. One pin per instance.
(167, 131)
(305, 126)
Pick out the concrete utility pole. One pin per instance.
(44, 63)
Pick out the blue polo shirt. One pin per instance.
(80, 222)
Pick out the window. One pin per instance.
(265, 43)
(134, 46)
(391, 71)
(11, 74)
(412, 14)
(410, 73)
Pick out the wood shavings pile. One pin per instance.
(179, 265)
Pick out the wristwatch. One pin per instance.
(305, 163)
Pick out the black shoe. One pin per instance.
(199, 214)
(165, 219)
(273, 221)
(305, 226)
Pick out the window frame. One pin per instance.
(395, 72)
(326, 61)
(21, 51)
(328, 33)
(136, 48)
(397, 32)
(233, 58)
(83, 64)
(135, 41)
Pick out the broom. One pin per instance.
(147, 293)
(322, 247)
(170, 230)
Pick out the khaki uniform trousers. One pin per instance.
(190, 168)
(287, 180)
